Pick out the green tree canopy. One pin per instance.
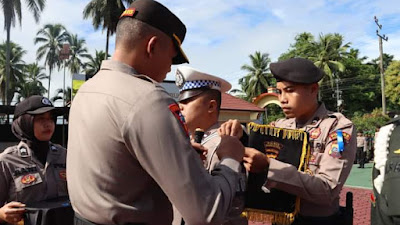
(52, 36)
(11, 10)
(258, 78)
(78, 52)
(93, 66)
(105, 14)
(16, 70)
(392, 89)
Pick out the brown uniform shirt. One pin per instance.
(320, 186)
(25, 179)
(129, 155)
(211, 141)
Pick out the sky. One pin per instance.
(221, 34)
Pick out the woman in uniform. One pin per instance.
(33, 170)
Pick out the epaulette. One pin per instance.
(145, 78)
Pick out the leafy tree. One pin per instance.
(77, 53)
(329, 51)
(304, 47)
(392, 88)
(28, 88)
(326, 52)
(274, 112)
(105, 14)
(34, 73)
(59, 95)
(258, 78)
(93, 66)
(358, 83)
(11, 10)
(387, 59)
(52, 36)
(16, 70)
(370, 121)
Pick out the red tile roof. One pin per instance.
(230, 102)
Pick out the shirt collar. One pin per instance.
(118, 66)
(319, 114)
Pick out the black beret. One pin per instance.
(33, 105)
(156, 15)
(296, 70)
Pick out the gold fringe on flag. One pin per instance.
(275, 217)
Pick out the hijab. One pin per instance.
(22, 128)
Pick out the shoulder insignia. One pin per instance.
(346, 136)
(24, 152)
(397, 151)
(178, 115)
(314, 134)
(334, 151)
(63, 175)
(28, 179)
(53, 148)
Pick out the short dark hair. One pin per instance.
(130, 30)
(211, 94)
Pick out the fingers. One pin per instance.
(236, 129)
(231, 128)
(247, 166)
(15, 205)
(12, 212)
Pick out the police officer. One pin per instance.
(332, 139)
(129, 153)
(33, 170)
(361, 149)
(200, 104)
(385, 209)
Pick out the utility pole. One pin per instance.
(64, 55)
(380, 37)
(338, 94)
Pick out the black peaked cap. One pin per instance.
(297, 70)
(34, 105)
(157, 15)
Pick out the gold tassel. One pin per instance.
(265, 216)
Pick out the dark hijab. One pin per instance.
(22, 128)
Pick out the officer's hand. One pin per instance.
(12, 212)
(231, 128)
(255, 161)
(200, 149)
(231, 147)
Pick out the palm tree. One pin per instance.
(77, 53)
(16, 70)
(59, 95)
(11, 10)
(52, 36)
(304, 47)
(329, 51)
(93, 66)
(106, 14)
(34, 73)
(26, 88)
(258, 79)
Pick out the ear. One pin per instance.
(212, 106)
(314, 89)
(151, 44)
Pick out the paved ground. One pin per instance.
(359, 182)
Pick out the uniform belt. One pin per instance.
(79, 220)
